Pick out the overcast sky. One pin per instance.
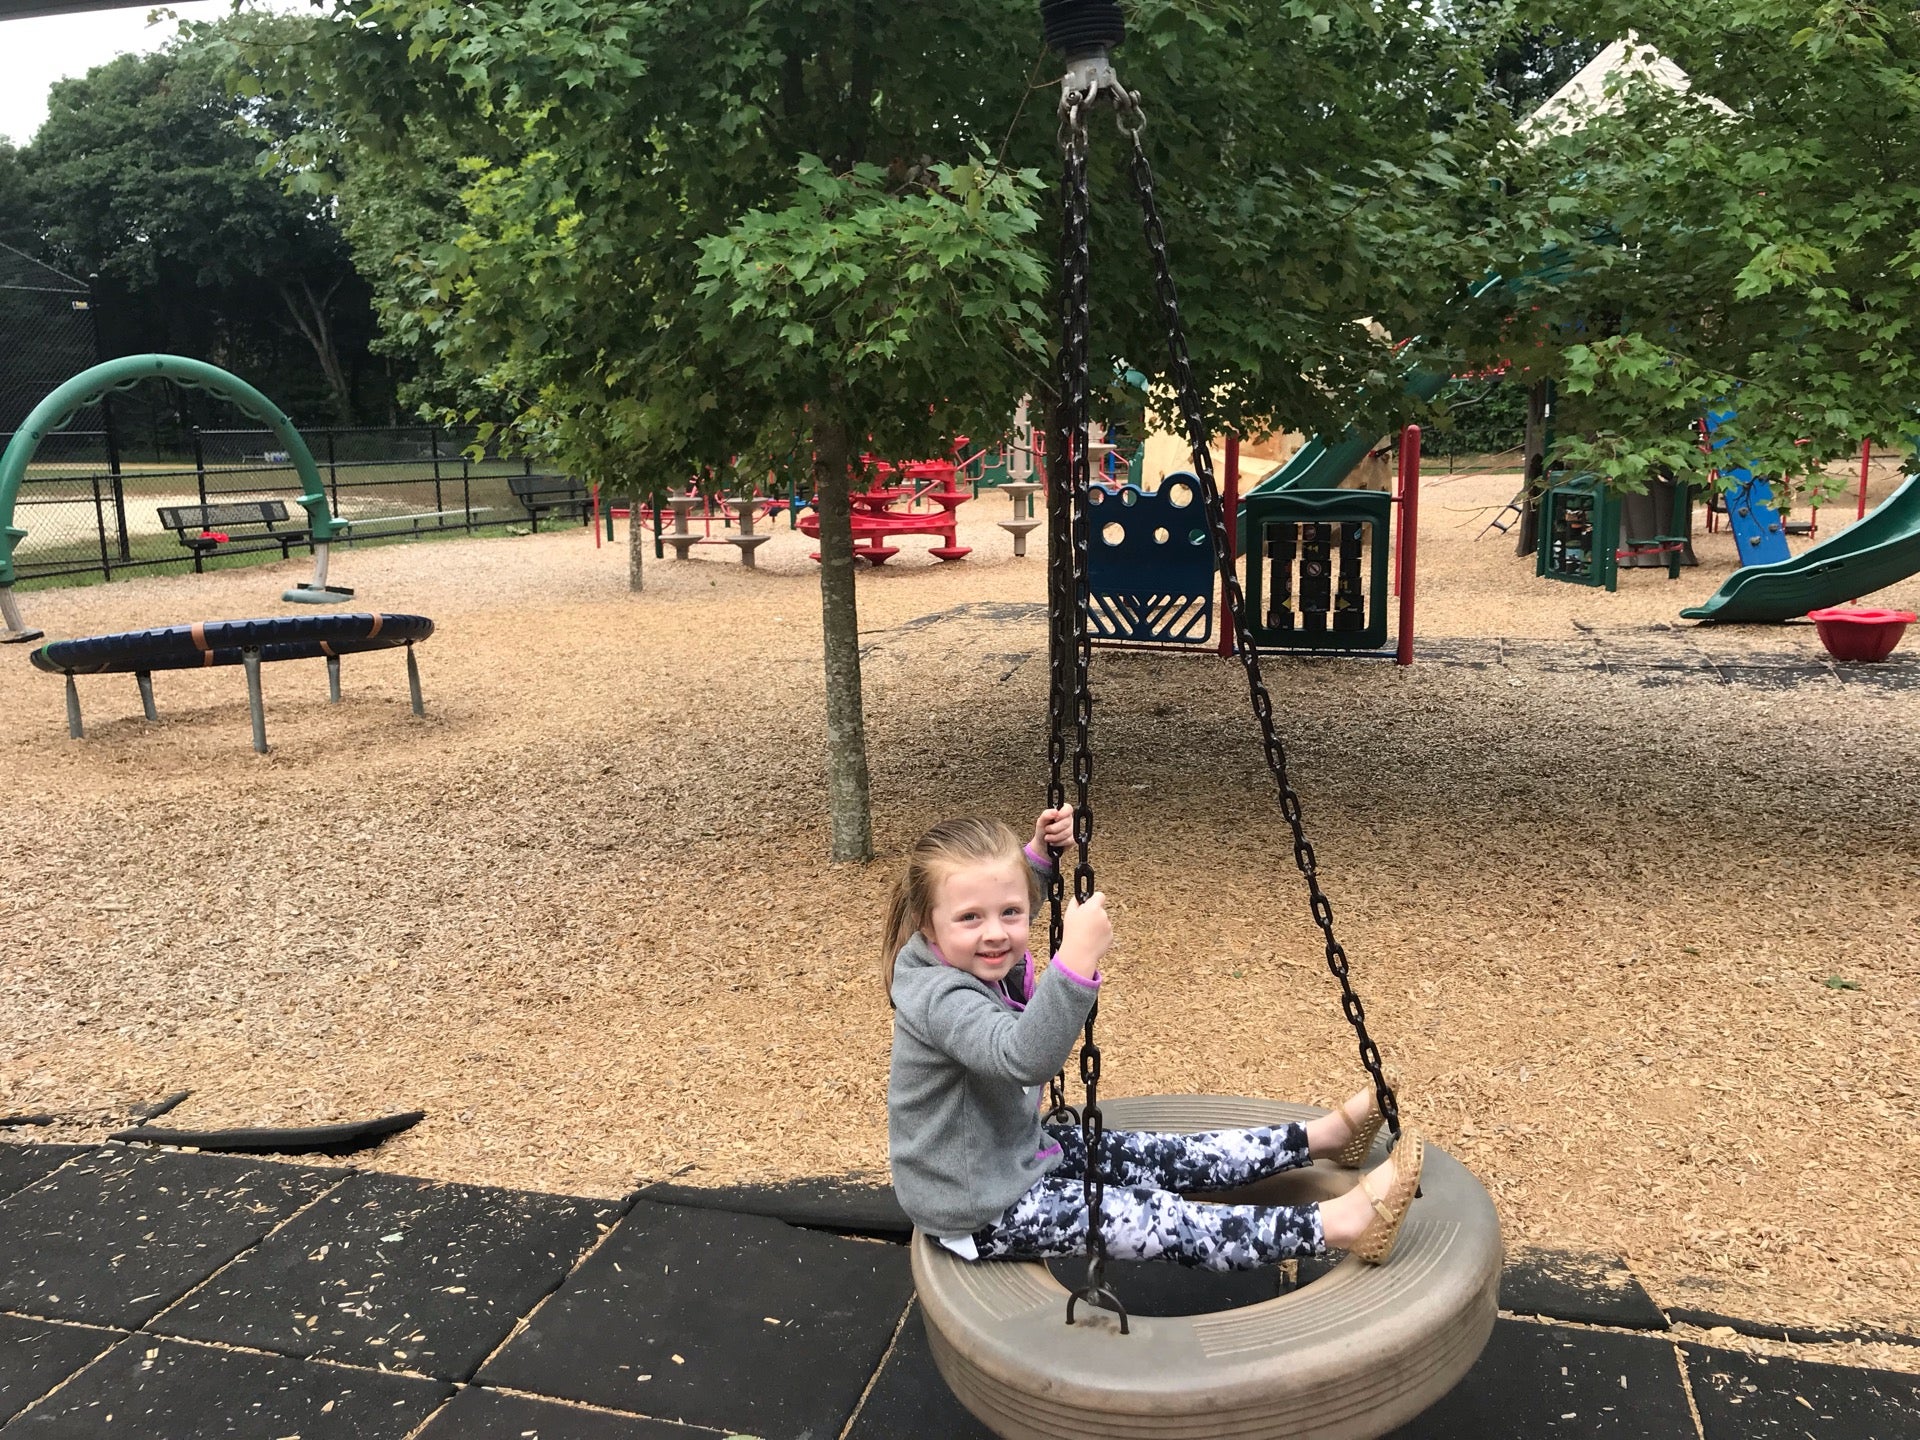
(35, 53)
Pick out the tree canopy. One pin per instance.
(149, 174)
(674, 220)
(1759, 253)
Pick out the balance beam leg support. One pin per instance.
(413, 683)
(316, 591)
(75, 729)
(333, 678)
(255, 705)
(13, 630)
(144, 679)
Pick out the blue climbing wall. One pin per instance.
(1751, 514)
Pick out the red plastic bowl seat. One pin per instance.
(1851, 633)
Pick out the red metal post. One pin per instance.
(1230, 499)
(1407, 550)
(1866, 456)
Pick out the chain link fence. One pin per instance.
(88, 513)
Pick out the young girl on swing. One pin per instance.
(975, 1038)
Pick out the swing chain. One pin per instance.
(1188, 394)
(1069, 399)
(1074, 668)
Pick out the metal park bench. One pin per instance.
(543, 494)
(205, 528)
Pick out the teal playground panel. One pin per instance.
(1579, 532)
(1580, 528)
(1316, 568)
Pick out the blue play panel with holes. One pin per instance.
(1150, 571)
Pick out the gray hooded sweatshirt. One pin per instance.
(963, 1095)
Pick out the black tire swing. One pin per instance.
(1361, 1350)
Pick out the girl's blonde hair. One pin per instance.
(951, 845)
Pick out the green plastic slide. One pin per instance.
(1867, 556)
(1317, 465)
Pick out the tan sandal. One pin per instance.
(1353, 1154)
(1377, 1240)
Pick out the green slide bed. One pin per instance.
(1866, 556)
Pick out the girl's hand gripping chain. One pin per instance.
(1086, 932)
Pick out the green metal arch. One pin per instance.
(53, 413)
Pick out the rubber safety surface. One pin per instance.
(147, 1388)
(730, 1321)
(116, 1236)
(391, 1272)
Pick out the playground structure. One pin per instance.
(1318, 560)
(741, 512)
(876, 520)
(1872, 553)
(1579, 538)
(251, 643)
(59, 408)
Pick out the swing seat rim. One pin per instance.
(1348, 1357)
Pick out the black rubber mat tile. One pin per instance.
(148, 1388)
(848, 1206)
(1777, 677)
(1756, 1397)
(478, 1414)
(1793, 1334)
(390, 1271)
(910, 1399)
(116, 1236)
(1587, 1287)
(22, 1165)
(36, 1355)
(734, 1321)
(1546, 1382)
(1883, 675)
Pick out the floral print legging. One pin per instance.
(1141, 1216)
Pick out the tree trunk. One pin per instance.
(318, 333)
(1534, 459)
(848, 795)
(637, 540)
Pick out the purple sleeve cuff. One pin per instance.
(1041, 860)
(1081, 981)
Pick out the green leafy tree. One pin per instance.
(1759, 252)
(148, 172)
(19, 217)
(709, 237)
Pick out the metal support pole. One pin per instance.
(144, 679)
(100, 524)
(1866, 458)
(199, 469)
(256, 707)
(74, 728)
(13, 630)
(413, 682)
(333, 679)
(1409, 538)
